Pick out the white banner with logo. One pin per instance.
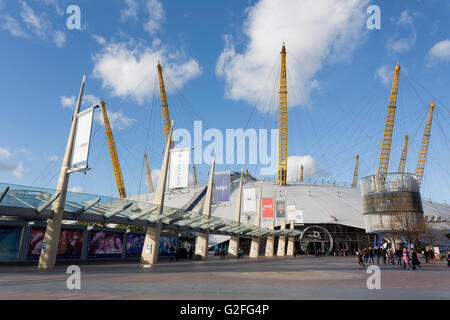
(249, 197)
(179, 168)
(298, 216)
(290, 208)
(80, 151)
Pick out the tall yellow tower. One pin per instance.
(355, 173)
(164, 105)
(113, 153)
(424, 147)
(282, 121)
(401, 166)
(389, 125)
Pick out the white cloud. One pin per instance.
(68, 102)
(41, 26)
(126, 69)
(385, 74)
(55, 4)
(53, 158)
(59, 39)
(12, 25)
(440, 52)
(117, 120)
(4, 153)
(130, 11)
(156, 15)
(88, 101)
(401, 45)
(75, 189)
(19, 171)
(100, 40)
(311, 168)
(315, 32)
(405, 18)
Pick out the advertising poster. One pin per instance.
(9, 243)
(135, 243)
(80, 150)
(290, 212)
(221, 187)
(267, 207)
(281, 209)
(105, 244)
(179, 168)
(165, 243)
(70, 244)
(249, 197)
(69, 247)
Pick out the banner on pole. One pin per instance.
(82, 139)
(267, 207)
(179, 168)
(222, 187)
(290, 212)
(281, 209)
(298, 216)
(249, 203)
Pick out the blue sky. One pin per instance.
(221, 63)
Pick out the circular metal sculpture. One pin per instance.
(392, 203)
(315, 238)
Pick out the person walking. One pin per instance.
(399, 254)
(371, 254)
(365, 254)
(384, 254)
(378, 254)
(415, 261)
(426, 254)
(447, 258)
(359, 258)
(406, 259)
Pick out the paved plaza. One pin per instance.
(304, 277)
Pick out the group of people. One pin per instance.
(398, 257)
(181, 253)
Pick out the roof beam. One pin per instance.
(117, 211)
(141, 214)
(4, 194)
(46, 204)
(86, 207)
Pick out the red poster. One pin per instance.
(267, 204)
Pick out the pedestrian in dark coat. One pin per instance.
(415, 260)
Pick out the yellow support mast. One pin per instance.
(389, 125)
(424, 147)
(301, 174)
(401, 166)
(149, 175)
(282, 121)
(164, 105)
(113, 152)
(194, 174)
(355, 174)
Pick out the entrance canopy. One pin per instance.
(33, 203)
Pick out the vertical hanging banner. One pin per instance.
(298, 216)
(221, 187)
(249, 204)
(179, 168)
(290, 212)
(267, 207)
(80, 151)
(281, 209)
